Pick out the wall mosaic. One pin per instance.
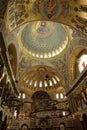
(61, 66)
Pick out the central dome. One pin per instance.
(43, 39)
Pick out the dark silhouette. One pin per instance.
(4, 124)
(84, 122)
(0, 119)
(62, 126)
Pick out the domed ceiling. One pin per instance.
(42, 77)
(42, 44)
(35, 26)
(43, 39)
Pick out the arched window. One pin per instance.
(59, 95)
(82, 62)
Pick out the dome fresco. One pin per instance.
(44, 39)
(42, 77)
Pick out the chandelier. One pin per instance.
(12, 101)
(51, 111)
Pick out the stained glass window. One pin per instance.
(82, 62)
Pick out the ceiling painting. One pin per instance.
(43, 39)
(21, 12)
(42, 77)
(60, 62)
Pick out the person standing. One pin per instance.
(84, 121)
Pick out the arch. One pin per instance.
(43, 123)
(39, 100)
(24, 127)
(40, 95)
(73, 64)
(13, 58)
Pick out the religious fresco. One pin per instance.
(20, 12)
(61, 62)
(41, 77)
(51, 8)
(16, 13)
(61, 66)
(45, 39)
(23, 65)
(48, 9)
(79, 98)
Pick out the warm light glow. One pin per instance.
(33, 54)
(57, 52)
(37, 55)
(57, 96)
(19, 96)
(64, 113)
(40, 84)
(23, 96)
(53, 53)
(82, 15)
(57, 78)
(45, 83)
(45, 56)
(30, 82)
(83, 2)
(41, 55)
(61, 96)
(35, 84)
(51, 83)
(15, 113)
(49, 55)
(27, 81)
(65, 97)
(54, 80)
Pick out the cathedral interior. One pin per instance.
(43, 64)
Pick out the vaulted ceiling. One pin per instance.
(45, 35)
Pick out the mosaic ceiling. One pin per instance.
(43, 39)
(42, 77)
(68, 12)
(47, 36)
